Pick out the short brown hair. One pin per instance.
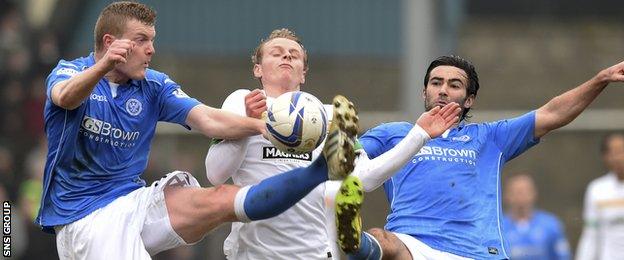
(256, 58)
(113, 19)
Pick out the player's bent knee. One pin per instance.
(194, 212)
(390, 244)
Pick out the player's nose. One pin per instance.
(150, 49)
(444, 90)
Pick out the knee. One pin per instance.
(389, 243)
(219, 199)
(199, 204)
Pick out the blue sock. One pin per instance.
(368, 250)
(278, 193)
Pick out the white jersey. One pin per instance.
(603, 234)
(298, 233)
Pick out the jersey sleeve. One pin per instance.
(235, 102)
(174, 103)
(63, 71)
(514, 136)
(378, 140)
(225, 157)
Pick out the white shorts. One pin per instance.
(421, 251)
(133, 226)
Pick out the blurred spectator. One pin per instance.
(33, 107)
(7, 170)
(31, 188)
(18, 62)
(531, 233)
(11, 21)
(11, 104)
(13, 94)
(603, 232)
(25, 58)
(48, 50)
(40, 245)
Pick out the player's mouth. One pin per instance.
(441, 103)
(285, 66)
(146, 64)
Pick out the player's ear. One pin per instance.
(469, 101)
(303, 76)
(107, 40)
(424, 93)
(257, 71)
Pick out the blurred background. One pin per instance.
(375, 52)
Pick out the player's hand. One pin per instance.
(118, 52)
(438, 120)
(614, 73)
(255, 104)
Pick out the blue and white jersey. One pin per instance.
(539, 238)
(97, 152)
(449, 195)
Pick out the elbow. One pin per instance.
(214, 180)
(67, 102)
(210, 172)
(201, 121)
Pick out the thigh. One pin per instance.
(420, 250)
(193, 212)
(182, 212)
(112, 232)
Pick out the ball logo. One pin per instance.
(134, 106)
(296, 122)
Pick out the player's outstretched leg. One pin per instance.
(209, 207)
(348, 221)
(338, 150)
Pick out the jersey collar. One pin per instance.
(459, 127)
(90, 60)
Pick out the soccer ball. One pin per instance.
(296, 122)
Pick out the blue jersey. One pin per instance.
(97, 152)
(449, 195)
(540, 238)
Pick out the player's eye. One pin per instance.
(141, 40)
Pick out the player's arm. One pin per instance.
(431, 124)
(564, 108)
(218, 123)
(70, 93)
(225, 157)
